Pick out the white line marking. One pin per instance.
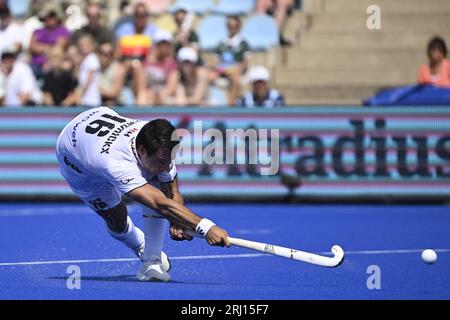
(217, 256)
(33, 263)
(370, 252)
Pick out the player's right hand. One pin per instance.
(216, 236)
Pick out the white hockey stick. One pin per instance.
(312, 258)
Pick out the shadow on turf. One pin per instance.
(123, 278)
(132, 278)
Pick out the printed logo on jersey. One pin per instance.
(126, 181)
(75, 127)
(115, 134)
(71, 165)
(129, 133)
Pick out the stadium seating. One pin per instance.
(261, 32)
(197, 6)
(233, 7)
(211, 30)
(217, 97)
(19, 8)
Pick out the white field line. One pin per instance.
(227, 256)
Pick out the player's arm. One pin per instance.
(170, 190)
(177, 213)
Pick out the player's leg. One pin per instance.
(120, 226)
(103, 199)
(156, 263)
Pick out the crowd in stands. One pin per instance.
(72, 53)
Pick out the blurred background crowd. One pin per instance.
(244, 53)
(144, 53)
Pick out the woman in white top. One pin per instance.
(192, 88)
(89, 73)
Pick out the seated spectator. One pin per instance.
(31, 24)
(262, 95)
(233, 54)
(161, 70)
(53, 34)
(89, 73)
(280, 9)
(2, 89)
(156, 7)
(112, 76)
(10, 32)
(135, 38)
(59, 83)
(437, 71)
(21, 88)
(192, 88)
(95, 26)
(184, 36)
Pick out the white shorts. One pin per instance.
(93, 190)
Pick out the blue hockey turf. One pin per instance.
(40, 241)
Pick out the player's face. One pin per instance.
(157, 163)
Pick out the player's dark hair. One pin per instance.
(437, 43)
(157, 135)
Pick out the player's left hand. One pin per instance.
(178, 233)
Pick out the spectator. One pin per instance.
(31, 24)
(280, 9)
(161, 70)
(233, 54)
(95, 26)
(135, 38)
(437, 71)
(59, 83)
(2, 89)
(262, 95)
(185, 36)
(10, 32)
(112, 76)
(89, 73)
(53, 34)
(20, 84)
(192, 88)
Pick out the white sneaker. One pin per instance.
(153, 270)
(165, 261)
(167, 265)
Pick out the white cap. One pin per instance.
(163, 35)
(257, 73)
(187, 54)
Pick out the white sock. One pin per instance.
(132, 237)
(154, 229)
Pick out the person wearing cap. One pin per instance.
(161, 69)
(262, 95)
(10, 32)
(192, 88)
(21, 88)
(52, 34)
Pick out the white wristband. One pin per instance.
(203, 227)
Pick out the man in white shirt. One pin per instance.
(103, 155)
(20, 84)
(11, 33)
